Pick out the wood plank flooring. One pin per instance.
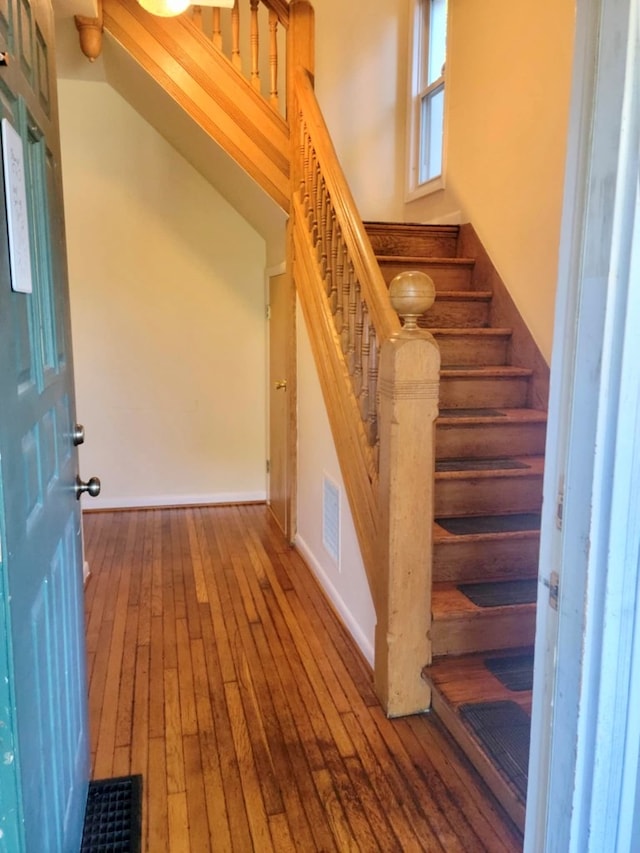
(218, 670)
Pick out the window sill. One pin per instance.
(427, 188)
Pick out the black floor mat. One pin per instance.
(113, 819)
(501, 593)
(490, 524)
(479, 465)
(503, 728)
(514, 671)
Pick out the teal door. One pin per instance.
(43, 707)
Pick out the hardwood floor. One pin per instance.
(219, 672)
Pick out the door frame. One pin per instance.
(585, 738)
(292, 399)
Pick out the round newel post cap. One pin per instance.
(411, 293)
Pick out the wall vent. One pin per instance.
(331, 519)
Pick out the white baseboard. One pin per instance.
(362, 641)
(153, 501)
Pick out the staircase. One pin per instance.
(488, 494)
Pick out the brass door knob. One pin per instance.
(280, 385)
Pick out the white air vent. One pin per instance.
(331, 519)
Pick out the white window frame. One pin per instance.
(417, 95)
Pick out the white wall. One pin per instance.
(346, 584)
(167, 313)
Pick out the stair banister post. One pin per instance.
(300, 53)
(408, 388)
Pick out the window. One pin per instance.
(427, 95)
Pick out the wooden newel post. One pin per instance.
(408, 388)
(300, 46)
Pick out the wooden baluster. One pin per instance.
(317, 204)
(357, 348)
(235, 36)
(372, 395)
(315, 219)
(216, 27)
(305, 155)
(255, 46)
(331, 260)
(311, 176)
(338, 277)
(346, 289)
(322, 253)
(196, 16)
(273, 59)
(354, 298)
(366, 349)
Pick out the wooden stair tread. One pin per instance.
(499, 371)
(464, 295)
(459, 681)
(404, 238)
(465, 678)
(441, 534)
(424, 259)
(411, 227)
(480, 332)
(485, 417)
(449, 602)
(460, 626)
(523, 466)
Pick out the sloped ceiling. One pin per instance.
(116, 67)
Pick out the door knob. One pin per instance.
(92, 486)
(77, 436)
(280, 384)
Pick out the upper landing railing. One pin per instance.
(252, 35)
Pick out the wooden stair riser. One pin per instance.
(466, 559)
(495, 495)
(457, 310)
(436, 241)
(474, 441)
(477, 392)
(489, 628)
(447, 275)
(472, 347)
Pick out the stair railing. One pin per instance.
(379, 381)
(240, 34)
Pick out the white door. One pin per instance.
(585, 744)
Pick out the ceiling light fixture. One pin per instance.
(170, 8)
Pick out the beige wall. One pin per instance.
(508, 83)
(361, 51)
(167, 314)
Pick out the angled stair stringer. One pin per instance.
(209, 89)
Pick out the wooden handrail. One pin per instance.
(364, 261)
(380, 386)
(281, 8)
